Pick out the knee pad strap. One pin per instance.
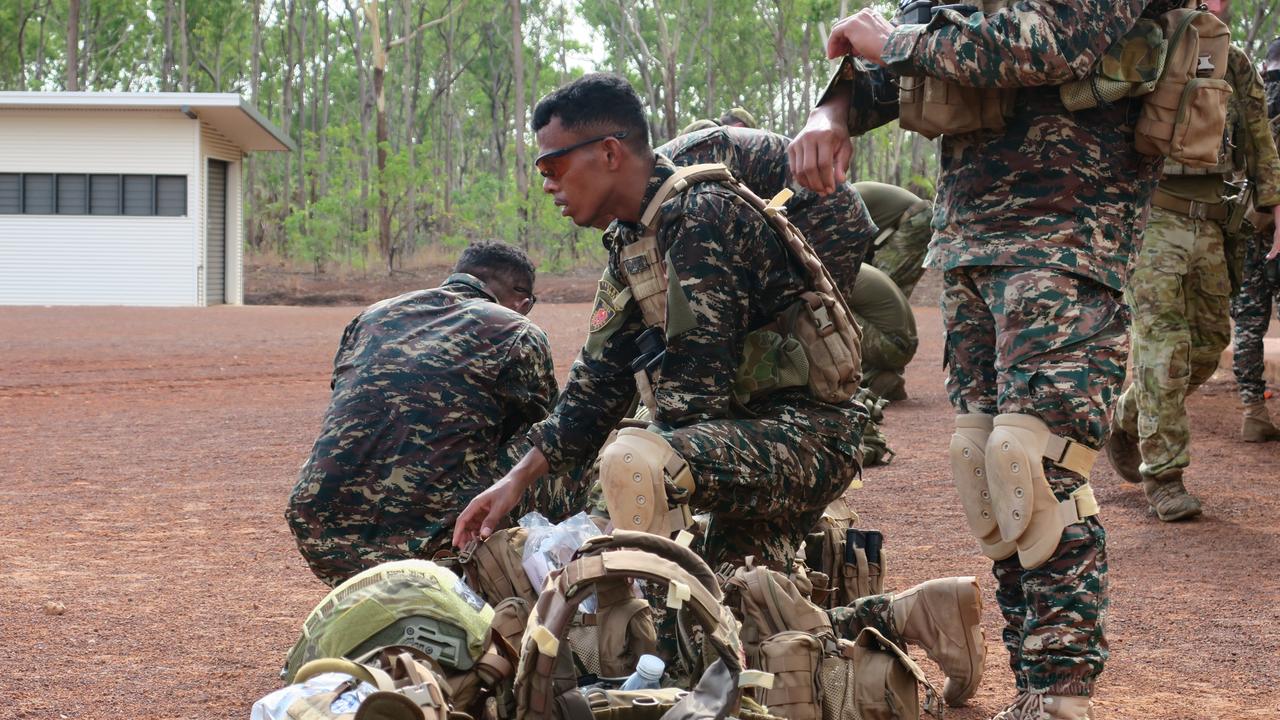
(1026, 509)
(646, 484)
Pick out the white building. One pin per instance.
(124, 198)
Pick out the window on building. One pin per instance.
(37, 194)
(80, 194)
(73, 195)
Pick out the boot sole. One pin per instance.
(1175, 517)
(969, 600)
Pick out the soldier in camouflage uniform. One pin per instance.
(1252, 308)
(903, 219)
(738, 117)
(433, 392)
(889, 339)
(1033, 231)
(1179, 294)
(764, 471)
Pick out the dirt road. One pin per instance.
(147, 455)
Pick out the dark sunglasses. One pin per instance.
(552, 163)
(533, 299)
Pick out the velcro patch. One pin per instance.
(604, 309)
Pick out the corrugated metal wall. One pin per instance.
(100, 260)
(213, 145)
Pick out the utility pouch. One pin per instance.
(793, 658)
(838, 677)
(863, 563)
(887, 681)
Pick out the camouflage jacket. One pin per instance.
(838, 225)
(730, 274)
(1248, 143)
(433, 392)
(1054, 189)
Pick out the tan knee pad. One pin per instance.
(1026, 509)
(969, 471)
(635, 470)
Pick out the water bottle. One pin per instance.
(648, 674)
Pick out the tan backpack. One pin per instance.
(826, 356)
(546, 679)
(407, 689)
(1185, 115)
(816, 676)
(494, 568)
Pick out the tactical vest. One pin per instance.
(932, 107)
(815, 342)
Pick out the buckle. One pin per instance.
(1197, 210)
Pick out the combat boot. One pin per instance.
(1037, 706)
(942, 617)
(1169, 498)
(1257, 426)
(1122, 450)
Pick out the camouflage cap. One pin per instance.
(697, 125)
(738, 115)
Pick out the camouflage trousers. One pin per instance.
(874, 611)
(1050, 344)
(336, 553)
(1251, 310)
(1179, 295)
(901, 257)
(765, 480)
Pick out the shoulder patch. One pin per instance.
(605, 309)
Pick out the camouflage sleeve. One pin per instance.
(707, 308)
(873, 94)
(600, 386)
(1030, 43)
(342, 358)
(526, 387)
(1259, 147)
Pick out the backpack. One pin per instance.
(814, 342)
(816, 676)
(546, 679)
(495, 569)
(1185, 115)
(419, 607)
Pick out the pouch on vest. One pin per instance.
(406, 690)
(794, 659)
(853, 559)
(769, 603)
(887, 682)
(1184, 117)
(932, 106)
(494, 567)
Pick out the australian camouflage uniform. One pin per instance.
(433, 392)
(1179, 292)
(889, 339)
(764, 470)
(1033, 229)
(904, 221)
(1252, 307)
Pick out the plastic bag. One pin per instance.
(275, 705)
(550, 547)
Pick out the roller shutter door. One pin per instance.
(216, 234)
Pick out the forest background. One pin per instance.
(411, 116)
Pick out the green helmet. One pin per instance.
(412, 603)
(738, 116)
(697, 125)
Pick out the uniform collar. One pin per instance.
(663, 168)
(472, 282)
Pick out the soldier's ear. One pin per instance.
(614, 152)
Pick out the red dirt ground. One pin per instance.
(147, 455)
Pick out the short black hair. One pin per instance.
(1273, 53)
(492, 260)
(597, 100)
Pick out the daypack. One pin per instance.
(546, 679)
(815, 342)
(1176, 63)
(816, 676)
(417, 606)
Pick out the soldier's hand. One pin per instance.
(863, 34)
(486, 512)
(819, 155)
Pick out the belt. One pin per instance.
(1193, 209)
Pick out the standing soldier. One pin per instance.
(1036, 214)
(1179, 293)
(903, 219)
(1259, 293)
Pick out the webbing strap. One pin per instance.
(1080, 505)
(682, 178)
(1070, 455)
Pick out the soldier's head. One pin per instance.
(594, 153)
(505, 270)
(738, 117)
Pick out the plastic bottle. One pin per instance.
(648, 674)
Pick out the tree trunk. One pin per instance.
(381, 132)
(72, 78)
(522, 171)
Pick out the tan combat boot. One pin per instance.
(1036, 706)
(1257, 426)
(943, 617)
(1169, 498)
(1122, 450)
